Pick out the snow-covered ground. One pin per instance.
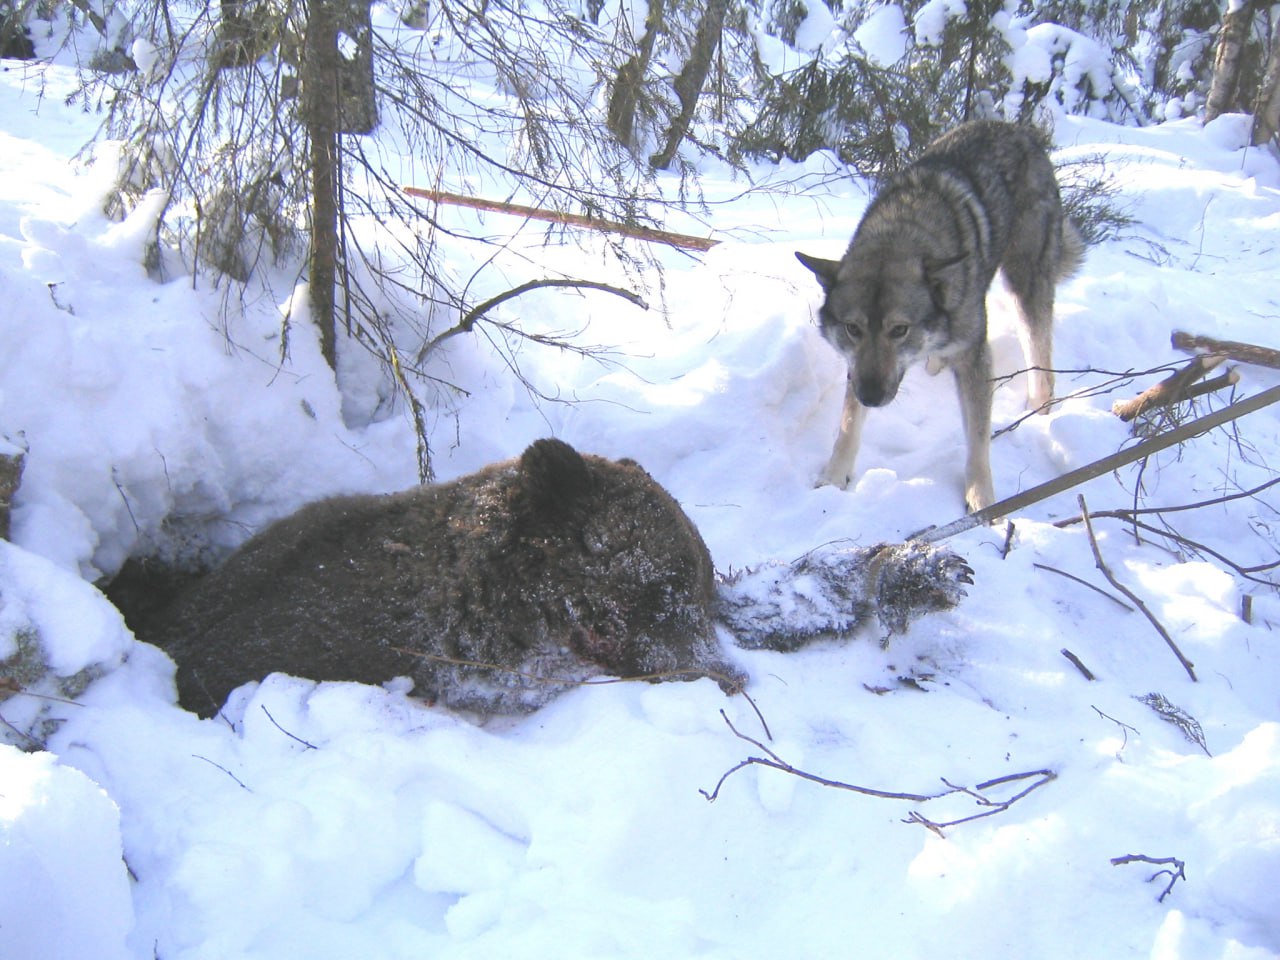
(342, 820)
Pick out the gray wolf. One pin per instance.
(493, 593)
(913, 283)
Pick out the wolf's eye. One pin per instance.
(898, 331)
(854, 332)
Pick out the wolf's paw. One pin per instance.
(1041, 405)
(979, 495)
(916, 579)
(828, 478)
(1040, 392)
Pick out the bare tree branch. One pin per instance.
(1247, 572)
(637, 231)
(1130, 516)
(468, 321)
(1039, 778)
(1084, 583)
(775, 762)
(1177, 873)
(1089, 471)
(292, 736)
(1137, 601)
(1139, 511)
(1124, 727)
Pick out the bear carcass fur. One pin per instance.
(493, 593)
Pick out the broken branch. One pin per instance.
(1178, 873)
(635, 231)
(1176, 388)
(997, 806)
(1231, 349)
(1078, 664)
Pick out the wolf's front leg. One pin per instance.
(839, 469)
(973, 381)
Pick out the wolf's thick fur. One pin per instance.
(914, 281)
(553, 567)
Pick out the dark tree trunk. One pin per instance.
(1266, 107)
(625, 97)
(337, 97)
(693, 77)
(320, 110)
(358, 106)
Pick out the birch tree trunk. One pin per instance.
(1224, 90)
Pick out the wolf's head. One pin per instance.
(884, 312)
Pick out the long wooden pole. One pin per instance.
(574, 219)
(1096, 469)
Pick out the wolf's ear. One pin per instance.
(946, 281)
(824, 270)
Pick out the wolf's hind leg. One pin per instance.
(839, 469)
(1031, 281)
(1037, 336)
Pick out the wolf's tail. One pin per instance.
(1071, 249)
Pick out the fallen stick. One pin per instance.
(1101, 564)
(1084, 583)
(1078, 663)
(1177, 387)
(1090, 471)
(1178, 873)
(652, 234)
(1232, 349)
